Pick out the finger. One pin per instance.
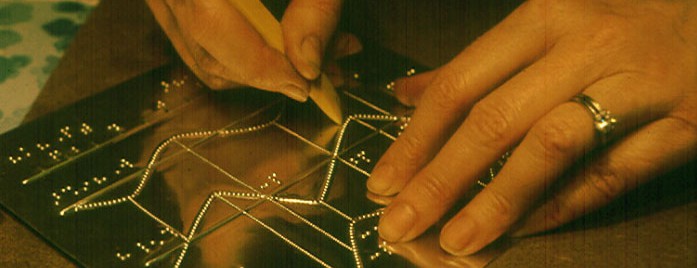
(208, 66)
(408, 90)
(169, 25)
(553, 144)
(308, 26)
(346, 44)
(335, 74)
(226, 35)
(655, 149)
(509, 46)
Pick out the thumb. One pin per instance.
(308, 26)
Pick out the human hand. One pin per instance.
(224, 50)
(512, 87)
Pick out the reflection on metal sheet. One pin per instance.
(161, 172)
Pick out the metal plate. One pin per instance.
(162, 172)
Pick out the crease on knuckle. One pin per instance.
(557, 138)
(257, 72)
(607, 181)
(212, 81)
(411, 150)
(685, 123)
(447, 91)
(608, 36)
(491, 123)
(215, 83)
(206, 63)
(558, 213)
(498, 206)
(437, 189)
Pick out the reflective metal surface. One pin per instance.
(162, 172)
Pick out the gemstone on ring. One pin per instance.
(603, 121)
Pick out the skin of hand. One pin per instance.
(224, 50)
(512, 87)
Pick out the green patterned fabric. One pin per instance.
(33, 37)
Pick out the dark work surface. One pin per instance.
(654, 226)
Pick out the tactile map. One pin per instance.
(163, 172)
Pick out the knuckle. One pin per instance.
(216, 83)
(411, 148)
(491, 122)
(260, 72)
(683, 122)
(608, 35)
(559, 213)
(498, 206)
(447, 91)
(437, 188)
(607, 181)
(602, 39)
(206, 62)
(211, 81)
(557, 137)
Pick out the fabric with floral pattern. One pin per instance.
(33, 37)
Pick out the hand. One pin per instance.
(512, 87)
(224, 50)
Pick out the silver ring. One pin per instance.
(604, 122)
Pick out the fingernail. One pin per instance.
(396, 222)
(310, 49)
(379, 181)
(457, 235)
(296, 93)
